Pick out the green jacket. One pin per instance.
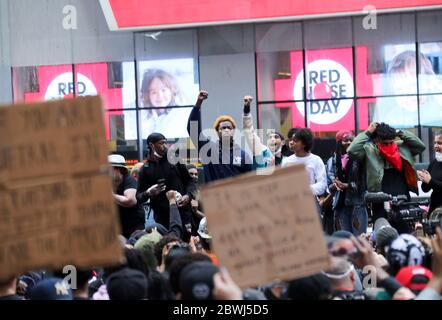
(364, 149)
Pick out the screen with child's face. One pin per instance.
(406, 106)
(164, 85)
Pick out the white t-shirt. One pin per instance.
(315, 168)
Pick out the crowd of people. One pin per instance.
(168, 246)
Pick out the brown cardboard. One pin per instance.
(56, 205)
(265, 228)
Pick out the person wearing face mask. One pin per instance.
(263, 155)
(432, 177)
(158, 176)
(222, 158)
(346, 180)
(388, 157)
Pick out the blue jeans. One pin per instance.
(353, 219)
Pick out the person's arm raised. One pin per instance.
(195, 116)
(252, 139)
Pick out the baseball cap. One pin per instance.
(51, 289)
(127, 284)
(196, 281)
(414, 278)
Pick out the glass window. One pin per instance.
(225, 39)
(277, 117)
(384, 56)
(400, 112)
(165, 84)
(168, 83)
(430, 107)
(328, 33)
(278, 59)
(329, 77)
(430, 67)
(117, 124)
(42, 83)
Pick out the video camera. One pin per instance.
(433, 221)
(398, 208)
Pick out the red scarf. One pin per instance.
(391, 154)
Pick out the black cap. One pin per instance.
(127, 284)
(196, 281)
(155, 137)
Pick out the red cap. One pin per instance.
(414, 278)
(344, 134)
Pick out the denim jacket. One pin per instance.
(354, 194)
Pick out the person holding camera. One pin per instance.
(388, 156)
(432, 177)
(158, 176)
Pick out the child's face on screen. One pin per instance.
(160, 94)
(404, 83)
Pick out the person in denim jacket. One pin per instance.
(347, 181)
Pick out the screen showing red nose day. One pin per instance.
(151, 14)
(109, 80)
(166, 92)
(385, 92)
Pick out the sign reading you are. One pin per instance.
(56, 205)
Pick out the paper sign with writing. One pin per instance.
(266, 228)
(56, 205)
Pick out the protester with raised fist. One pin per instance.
(222, 158)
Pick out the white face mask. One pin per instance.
(439, 156)
(278, 151)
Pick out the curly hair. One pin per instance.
(305, 135)
(384, 132)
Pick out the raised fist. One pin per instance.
(247, 101)
(203, 95)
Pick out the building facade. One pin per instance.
(326, 72)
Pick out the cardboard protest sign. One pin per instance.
(56, 205)
(266, 227)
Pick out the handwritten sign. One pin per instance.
(56, 205)
(266, 227)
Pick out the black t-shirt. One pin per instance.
(394, 182)
(130, 218)
(435, 170)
